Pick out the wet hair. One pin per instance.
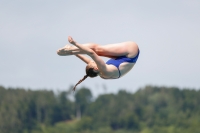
(89, 72)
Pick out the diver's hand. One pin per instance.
(70, 39)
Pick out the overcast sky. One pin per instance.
(167, 32)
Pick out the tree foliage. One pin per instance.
(151, 109)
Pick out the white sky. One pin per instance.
(167, 32)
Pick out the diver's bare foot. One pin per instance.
(65, 51)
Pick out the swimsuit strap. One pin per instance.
(119, 72)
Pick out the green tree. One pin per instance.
(83, 98)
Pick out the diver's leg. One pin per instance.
(130, 49)
(73, 50)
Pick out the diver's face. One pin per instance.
(93, 65)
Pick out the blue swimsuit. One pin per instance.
(116, 62)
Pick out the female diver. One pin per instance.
(123, 57)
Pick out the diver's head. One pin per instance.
(91, 71)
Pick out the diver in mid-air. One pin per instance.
(123, 57)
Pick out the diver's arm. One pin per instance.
(83, 58)
(99, 61)
(81, 47)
